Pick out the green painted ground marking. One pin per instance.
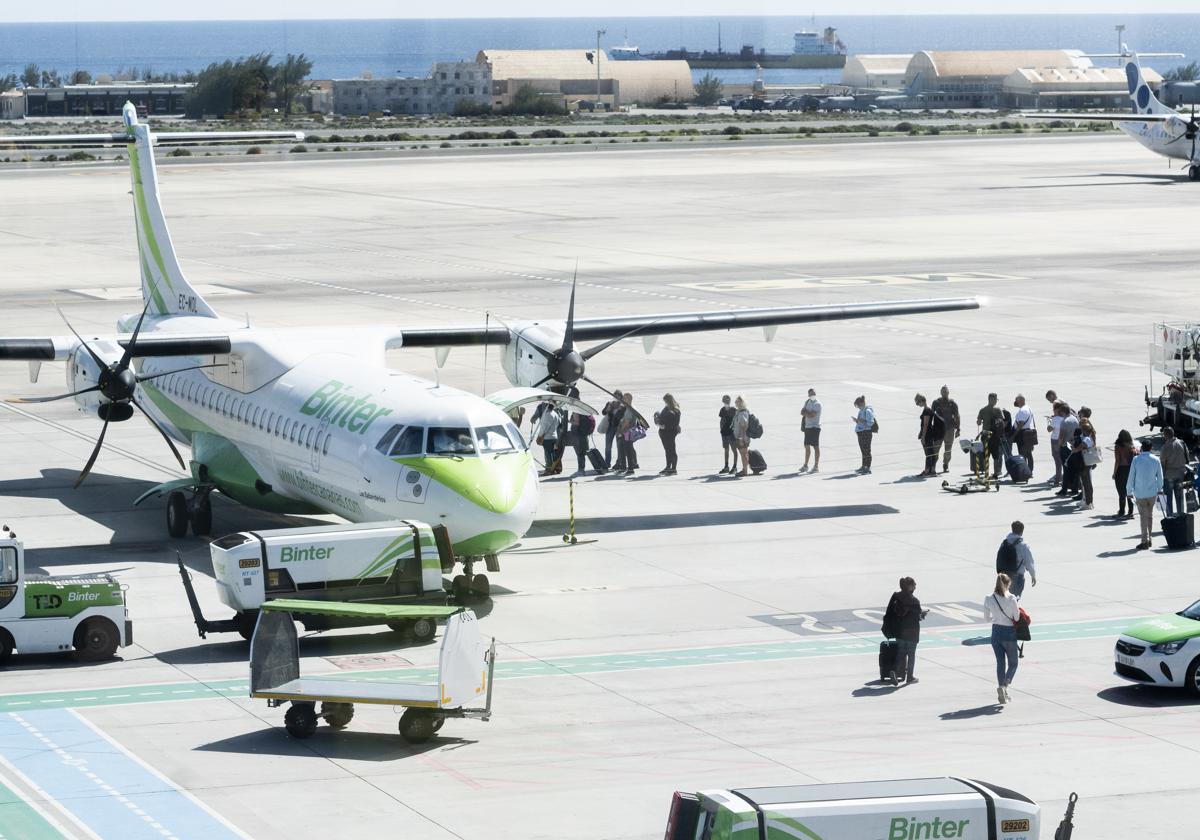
(834, 645)
(20, 821)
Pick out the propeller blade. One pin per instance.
(95, 358)
(87, 468)
(19, 400)
(162, 432)
(600, 348)
(543, 381)
(569, 332)
(128, 354)
(150, 376)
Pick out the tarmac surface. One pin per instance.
(705, 632)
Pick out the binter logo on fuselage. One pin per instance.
(338, 404)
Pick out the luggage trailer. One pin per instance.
(464, 679)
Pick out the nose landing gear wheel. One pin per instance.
(1194, 173)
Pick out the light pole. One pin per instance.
(1120, 27)
(599, 32)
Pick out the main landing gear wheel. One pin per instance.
(201, 515)
(461, 587)
(481, 586)
(177, 514)
(417, 725)
(95, 640)
(246, 621)
(1194, 173)
(300, 720)
(337, 715)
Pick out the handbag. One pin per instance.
(1021, 625)
(1091, 456)
(874, 427)
(1031, 438)
(602, 426)
(634, 433)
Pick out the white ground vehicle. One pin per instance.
(40, 614)
(1163, 650)
(400, 561)
(904, 809)
(464, 680)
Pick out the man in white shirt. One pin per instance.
(810, 425)
(1025, 425)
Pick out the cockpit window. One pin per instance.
(493, 439)
(385, 442)
(446, 440)
(409, 442)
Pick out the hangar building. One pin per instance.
(572, 75)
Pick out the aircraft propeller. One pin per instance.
(118, 384)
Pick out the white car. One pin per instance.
(1163, 650)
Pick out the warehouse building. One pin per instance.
(12, 105)
(875, 71)
(1070, 88)
(441, 92)
(571, 75)
(106, 99)
(975, 79)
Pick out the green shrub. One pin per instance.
(180, 152)
(254, 150)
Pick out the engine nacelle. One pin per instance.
(83, 372)
(524, 364)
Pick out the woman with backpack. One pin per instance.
(667, 419)
(864, 427)
(1002, 610)
(930, 435)
(741, 434)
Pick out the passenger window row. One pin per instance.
(245, 411)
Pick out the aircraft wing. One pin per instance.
(57, 348)
(1114, 116)
(591, 329)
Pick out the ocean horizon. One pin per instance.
(408, 47)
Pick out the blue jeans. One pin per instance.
(1173, 489)
(1018, 586)
(906, 655)
(1004, 645)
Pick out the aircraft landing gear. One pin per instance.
(196, 512)
(1194, 173)
(469, 584)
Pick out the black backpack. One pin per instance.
(1006, 558)
(754, 427)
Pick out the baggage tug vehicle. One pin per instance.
(44, 614)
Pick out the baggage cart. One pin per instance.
(464, 681)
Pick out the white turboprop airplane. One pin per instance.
(313, 421)
(1159, 128)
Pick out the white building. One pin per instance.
(12, 105)
(449, 83)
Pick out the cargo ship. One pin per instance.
(811, 50)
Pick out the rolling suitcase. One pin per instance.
(1017, 468)
(596, 459)
(757, 462)
(887, 658)
(1179, 531)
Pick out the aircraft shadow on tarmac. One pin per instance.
(327, 744)
(107, 500)
(659, 521)
(1127, 179)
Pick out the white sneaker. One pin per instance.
(1000, 695)
(1007, 696)
(1088, 507)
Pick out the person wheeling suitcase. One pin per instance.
(902, 618)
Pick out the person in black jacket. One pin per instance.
(725, 417)
(667, 420)
(906, 615)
